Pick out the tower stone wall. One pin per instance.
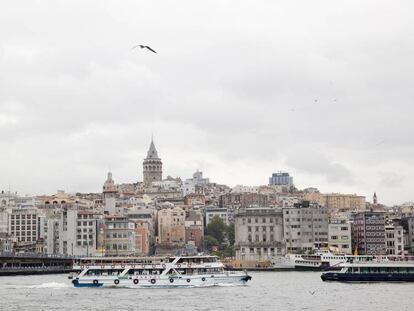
(152, 166)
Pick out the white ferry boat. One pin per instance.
(134, 272)
(376, 269)
(321, 260)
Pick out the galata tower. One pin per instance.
(152, 166)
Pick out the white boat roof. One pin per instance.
(129, 258)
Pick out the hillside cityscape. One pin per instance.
(161, 216)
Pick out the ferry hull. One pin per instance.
(162, 282)
(362, 277)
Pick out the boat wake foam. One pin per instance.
(53, 285)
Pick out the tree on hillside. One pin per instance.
(217, 229)
(210, 241)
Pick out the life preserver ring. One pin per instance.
(171, 280)
(188, 280)
(87, 266)
(143, 266)
(133, 266)
(178, 265)
(164, 265)
(189, 264)
(136, 281)
(154, 266)
(153, 281)
(102, 267)
(113, 266)
(95, 282)
(116, 282)
(122, 265)
(203, 279)
(82, 267)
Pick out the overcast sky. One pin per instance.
(238, 89)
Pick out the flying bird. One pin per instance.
(312, 292)
(143, 47)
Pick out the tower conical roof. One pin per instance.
(152, 151)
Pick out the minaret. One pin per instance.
(152, 166)
(375, 199)
(109, 194)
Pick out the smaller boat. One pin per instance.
(374, 269)
(320, 261)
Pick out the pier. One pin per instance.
(31, 263)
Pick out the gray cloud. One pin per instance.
(232, 92)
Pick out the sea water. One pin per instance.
(266, 291)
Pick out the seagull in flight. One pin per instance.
(143, 47)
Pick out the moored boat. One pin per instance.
(319, 261)
(377, 269)
(135, 272)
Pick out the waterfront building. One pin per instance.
(195, 199)
(109, 195)
(51, 238)
(152, 166)
(77, 232)
(23, 225)
(245, 189)
(190, 185)
(369, 233)
(142, 237)
(408, 223)
(4, 220)
(258, 234)
(7, 242)
(242, 200)
(281, 179)
(340, 235)
(194, 228)
(171, 226)
(226, 214)
(169, 184)
(336, 202)
(305, 227)
(10, 199)
(119, 236)
(394, 239)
